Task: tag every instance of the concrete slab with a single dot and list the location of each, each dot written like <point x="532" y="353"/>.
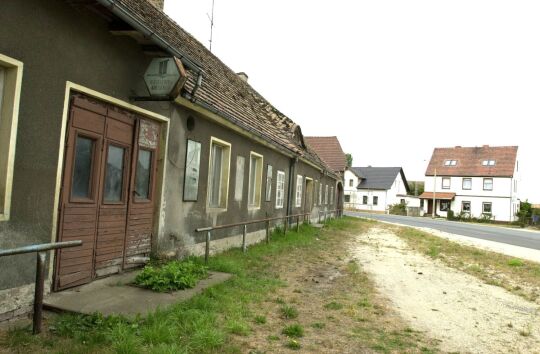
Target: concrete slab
<point x="114" y="296"/>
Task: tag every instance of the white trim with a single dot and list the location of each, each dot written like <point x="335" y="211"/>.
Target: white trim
<point x="228" y="146"/>
<point x="11" y="109"/>
<point x="70" y="86"/>
<point x="299" y="191"/>
<point x="280" y="173"/>
<point x="258" y="178"/>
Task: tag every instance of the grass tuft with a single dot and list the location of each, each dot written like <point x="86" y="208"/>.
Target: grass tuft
<point x="288" y="312"/>
<point x="333" y="306"/>
<point x="294" y="330"/>
<point x="293" y="344"/>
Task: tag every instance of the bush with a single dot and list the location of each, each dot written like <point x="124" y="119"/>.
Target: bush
<point x="450" y="214"/>
<point x="398" y="209"/>
<point x="175" y="275"/>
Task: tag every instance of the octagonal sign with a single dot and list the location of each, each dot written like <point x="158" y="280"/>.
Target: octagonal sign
<point x="164" y="77"/>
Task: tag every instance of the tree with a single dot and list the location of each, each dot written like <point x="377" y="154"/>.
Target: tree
<point x="349" y="160"/>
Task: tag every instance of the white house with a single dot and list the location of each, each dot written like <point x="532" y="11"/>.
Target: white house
<point x="376" y="188"/>
<point x="476" y="181"/>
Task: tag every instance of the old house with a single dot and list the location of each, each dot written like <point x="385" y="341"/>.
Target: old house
<point x="479" y="182"/>
<point x="119" y="129"/>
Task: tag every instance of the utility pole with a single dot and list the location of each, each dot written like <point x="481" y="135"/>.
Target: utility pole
<point x="211" y="18"/>
<point x="434" y="192"/>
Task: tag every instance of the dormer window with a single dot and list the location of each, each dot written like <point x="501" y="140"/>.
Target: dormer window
<point x="488" y="163"/>
<point x="450" y="162"/>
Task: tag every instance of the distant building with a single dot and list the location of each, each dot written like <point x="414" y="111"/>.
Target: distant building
<point x="376" y="188"/>
<point x="476" y="181"/>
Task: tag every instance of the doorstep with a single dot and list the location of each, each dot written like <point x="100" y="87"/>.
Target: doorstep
<point x="115" y="296"/>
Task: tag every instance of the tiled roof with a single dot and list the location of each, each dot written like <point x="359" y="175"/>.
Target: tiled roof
<point x="469" y="161"/>
<point x="438" y="195"/>
<point x="222" y="89"/>
<point x="380" y="178"/>
<point x="329" y="149"/>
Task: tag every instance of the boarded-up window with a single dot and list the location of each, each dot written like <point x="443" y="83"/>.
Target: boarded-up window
<point x="239" y="182"/>
<point x="191" y="178"/>
<point x="269" y="183"/>
<point x="299" y="185"/>
<point x="280" y="189"/>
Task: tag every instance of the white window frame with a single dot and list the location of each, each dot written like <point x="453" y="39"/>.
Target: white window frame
<point x="463" y="204"/>
<point x="491" y="207"/>
<point x="484" y="184"/>
<point x="450" y="162"/>
<point x="254" y="200"/>
<point x="9" y="117"/>
<point x="280" y="189"/>
<point x="225" y="174"/>
<point x="299" y="188"/>
<point x="446" y="179"/>
<point x="488" y="163"/>
<point x="269" y="177"/>
<point x="320" y="193"/>
<point x="463" y="183"/>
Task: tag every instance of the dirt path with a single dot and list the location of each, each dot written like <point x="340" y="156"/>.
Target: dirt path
<point x="458" y="309"/>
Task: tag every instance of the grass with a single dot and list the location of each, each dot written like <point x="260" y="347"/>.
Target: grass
<point x="223" y="318"/>
<point x="171" y="276"/>
<point x="516" y="275"/>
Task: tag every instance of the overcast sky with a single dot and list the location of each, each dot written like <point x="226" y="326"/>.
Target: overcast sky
<point x="391" y="79"/>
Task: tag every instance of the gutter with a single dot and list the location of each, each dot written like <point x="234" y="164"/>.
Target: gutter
<point x="128" y="17"/>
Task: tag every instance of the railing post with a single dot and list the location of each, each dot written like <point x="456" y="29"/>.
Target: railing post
<point x="207" y="247"/>
<point x="267" y="231"/>
<point x="244" y="247"/>
<point x="297" y="223"/>
<point x="38" y="294"/>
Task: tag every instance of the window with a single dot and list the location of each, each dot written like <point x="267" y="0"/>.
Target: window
<point x="488" y="163"/>
<point x="268" y="183"/>
<point x="280" y="189"/>
<point x="332" y="195"/>
<point x="143" y="175"/>
<point x="450" y="162"/>
<point x="466" y="207"/>
<point x="364" y="199"/>
<point x="375" y="200"/>
<point x="10" y="89"/>
<point x="299" y="185"/>
<point x="191" y="177"/>
<point x="326" y="195"/>
<point x="466" y="184"/>
<point x="402" y="201"/>
<point x="114" y="175"/>
<point x="488" y="184"/>
<point x="255" y="180"/>
<point x="239" y="179"/>
<point x="218" y="173"/>
<point x="445" y="205"/>
<point x="486" y="208"/>
<point x="446" y="183"/>
<point x="320" y="193"/>
<point x="351" y="182"/>
<point x="347" y="198"/>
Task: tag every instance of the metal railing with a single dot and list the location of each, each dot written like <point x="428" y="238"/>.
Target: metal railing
<point x="244" y="224"/>
<point x="41" y="251"/>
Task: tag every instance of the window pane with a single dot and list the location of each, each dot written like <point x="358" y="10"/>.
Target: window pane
<point x="142" y="175"/>
<point x="82" y="168"/>
<point x="375" y="200"/>
<point x="487" y="207"/>
<point x="269" y="183"/>
<point x="191" y="178"/>
<point x="215" y="177"/>
<point x="467" y="183"/>
<point x="114" y="174"/>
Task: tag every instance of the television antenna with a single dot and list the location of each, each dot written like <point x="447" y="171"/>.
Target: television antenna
<point x="211" y="18"/>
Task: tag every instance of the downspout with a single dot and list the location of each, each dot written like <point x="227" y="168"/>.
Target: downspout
<point x="126" y="16"/>
<point x="292" y="172"/>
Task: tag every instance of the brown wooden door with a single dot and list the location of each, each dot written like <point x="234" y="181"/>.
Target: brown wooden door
<point x="430" y="207"/>
<point x="105" y="171"/>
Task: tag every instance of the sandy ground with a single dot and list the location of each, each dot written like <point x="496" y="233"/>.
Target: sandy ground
<point x="467" y="315"/>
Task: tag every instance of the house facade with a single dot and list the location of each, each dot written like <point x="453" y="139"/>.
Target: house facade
<point x="480" y="182"/>
<point x="90" y="150"/>
<point x="376" y="188"/>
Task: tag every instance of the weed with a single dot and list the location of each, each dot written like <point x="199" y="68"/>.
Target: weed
<point x="333" y="306"/>
<point x="364" y="302"/>
<point x="294" y="330"/>
<point x="514" y="262"/>
<point x="273" y="337"/>
<point x="293" y="344"/>
<point x="238" y="327"/>
<point x="260" y="319"/>
<point x="289" y="312"/>
<point x="172" y="276"/>
<point x="318" y="325"/>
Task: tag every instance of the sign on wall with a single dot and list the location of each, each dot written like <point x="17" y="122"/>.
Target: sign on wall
<point x="164" y="77"/>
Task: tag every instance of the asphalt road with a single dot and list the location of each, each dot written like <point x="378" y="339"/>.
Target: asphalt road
<point x="515" y="237"/>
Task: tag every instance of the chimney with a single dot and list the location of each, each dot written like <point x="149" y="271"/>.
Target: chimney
<point x="243" y="76"/>
<point x="158" y="3"/>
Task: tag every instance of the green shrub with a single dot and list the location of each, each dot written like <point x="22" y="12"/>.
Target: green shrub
<point x="398" y="209"/>
<point x="175" y="275"/>
<point x="450" y="214"/>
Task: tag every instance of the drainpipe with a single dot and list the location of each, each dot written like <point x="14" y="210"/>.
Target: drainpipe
<point x="118" y="10"/>
<point x="292" y="173"/>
